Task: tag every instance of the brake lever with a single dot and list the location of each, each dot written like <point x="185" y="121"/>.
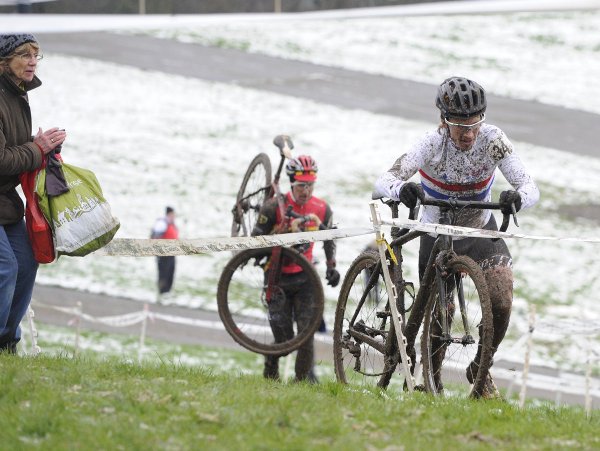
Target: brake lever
<point x="514" y="214"/>
<point x="414" y="212"/>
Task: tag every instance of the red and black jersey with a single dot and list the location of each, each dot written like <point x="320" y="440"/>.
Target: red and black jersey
<point x="270" y="219"/>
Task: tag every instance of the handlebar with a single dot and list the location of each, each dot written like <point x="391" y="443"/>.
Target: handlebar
<point x="290" y="213"/>
<point x="453" y="204"/>
<point x="457" y="204"/>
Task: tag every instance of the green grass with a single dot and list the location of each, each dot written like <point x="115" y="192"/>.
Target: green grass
<point x="90" y="403"/>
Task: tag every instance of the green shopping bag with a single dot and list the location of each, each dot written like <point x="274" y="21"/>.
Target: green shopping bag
<point x="80" y="218"/>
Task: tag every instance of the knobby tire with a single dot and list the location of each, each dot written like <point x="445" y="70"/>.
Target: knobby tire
<point x="257" y="179"/>
<point x="241" y="304"/>
<point x="375" y="366"/>
<point x="479" y="313"/>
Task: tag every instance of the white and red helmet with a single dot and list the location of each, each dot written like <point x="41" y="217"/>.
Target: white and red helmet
<point x="303" y="168"/>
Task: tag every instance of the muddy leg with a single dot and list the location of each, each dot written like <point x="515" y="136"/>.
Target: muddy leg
<point x="500" y="286"/>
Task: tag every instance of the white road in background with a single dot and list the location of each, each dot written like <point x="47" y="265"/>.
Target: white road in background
<point x="37" y="23"/>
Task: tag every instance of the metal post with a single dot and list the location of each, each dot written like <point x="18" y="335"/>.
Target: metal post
<point x="392" y="296"/>
<point x="527" y="354"/>
<point x="588" y="380"/>
<point x="79" y="309"/>
<point x="287" y="368"/>
<point x="142" y="6"/>
<point x="35" y="349"/>
<point x="143" y="333"/>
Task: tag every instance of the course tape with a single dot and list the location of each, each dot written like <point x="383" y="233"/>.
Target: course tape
<point x="163" y="248"/>
<point x="465" y="232"/>
<point x="130" y="319"/>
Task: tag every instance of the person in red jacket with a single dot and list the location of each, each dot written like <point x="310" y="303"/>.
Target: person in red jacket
<point x="302" y="172"/>
<point x="165" y="228"/>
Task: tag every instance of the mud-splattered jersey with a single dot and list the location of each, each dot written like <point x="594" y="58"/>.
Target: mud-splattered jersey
<point x="447" y="171"/>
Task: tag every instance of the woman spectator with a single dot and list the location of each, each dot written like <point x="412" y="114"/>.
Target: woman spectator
<point x="19" y="152"/>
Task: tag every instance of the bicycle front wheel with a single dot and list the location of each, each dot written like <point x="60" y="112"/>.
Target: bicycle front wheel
<point x="251" y="301"/>
<point x="362" y="325"/>
<point x="458" y="362"/>
<point x="252" y="194"/>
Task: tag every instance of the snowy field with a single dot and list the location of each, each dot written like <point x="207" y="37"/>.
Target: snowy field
<point x="547" y="56"/>
<point x="154" y="140"/>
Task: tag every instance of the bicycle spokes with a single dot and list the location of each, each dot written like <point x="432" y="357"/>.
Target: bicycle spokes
<point x="457" y="329"/>
<point x="362" y="326"/>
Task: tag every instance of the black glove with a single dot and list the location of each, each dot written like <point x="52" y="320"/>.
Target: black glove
<point x="333" y="277"/>
<point x="409" y="194"/>
<point x="507" y="198"/>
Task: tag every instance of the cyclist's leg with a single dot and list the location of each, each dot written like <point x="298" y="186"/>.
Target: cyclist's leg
<point x="413" y="322"/>
<point x="281" y="322"/>
<point x="425" y="247"/>
<point x="500" y="283"/>
<point x="496" y="262"/>
<point x="302" y="298"/>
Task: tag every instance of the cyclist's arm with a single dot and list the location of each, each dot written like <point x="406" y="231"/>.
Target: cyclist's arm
<point x="391" y="182"/>
<point x="329" y="246"/>
<point x="516" y="173"/>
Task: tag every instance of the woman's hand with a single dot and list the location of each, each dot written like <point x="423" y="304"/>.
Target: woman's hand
<point x="50" y="139"/>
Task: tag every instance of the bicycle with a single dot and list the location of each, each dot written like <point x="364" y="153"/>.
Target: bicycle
<point x="255" y="278"/>
<point x="253" y="192"/>
<point x="364" y="338"/>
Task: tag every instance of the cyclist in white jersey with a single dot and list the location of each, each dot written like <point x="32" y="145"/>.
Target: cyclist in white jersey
<point x="459" y="160"/>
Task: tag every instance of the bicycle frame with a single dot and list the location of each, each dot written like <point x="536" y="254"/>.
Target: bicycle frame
<point x="285" y="146"/>
<point x="405" y="333"/>
<point x="445" y="248"/>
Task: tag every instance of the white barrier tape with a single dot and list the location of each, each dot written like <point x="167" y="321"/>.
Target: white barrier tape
<point x="128" y="319"/>
<point x="249" y="328"/>
<point x="149" y="247"/>
<point x="469" y="232"/>
<point x="67" y="310"/>
<point x="187" y="321"/>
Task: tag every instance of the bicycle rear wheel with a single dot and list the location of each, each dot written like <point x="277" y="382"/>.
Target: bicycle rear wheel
<point x="242" y="300"/>
<point x="361" y="351"/>
<point x="446" y="359"/>
<point x="253" y="192"/>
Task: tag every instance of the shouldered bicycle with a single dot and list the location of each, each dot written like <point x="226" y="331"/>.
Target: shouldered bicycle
<point x="452" y="303"/>
<point x="255" y="279"/>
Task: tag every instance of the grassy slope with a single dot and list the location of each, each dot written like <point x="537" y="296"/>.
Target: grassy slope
<point x="86" y="403"/>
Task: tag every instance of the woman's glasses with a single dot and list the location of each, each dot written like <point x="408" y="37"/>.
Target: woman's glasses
<point x="29" y="56"/>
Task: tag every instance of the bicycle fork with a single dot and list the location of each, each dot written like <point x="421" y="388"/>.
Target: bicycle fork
<point x="441" y="275"/>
